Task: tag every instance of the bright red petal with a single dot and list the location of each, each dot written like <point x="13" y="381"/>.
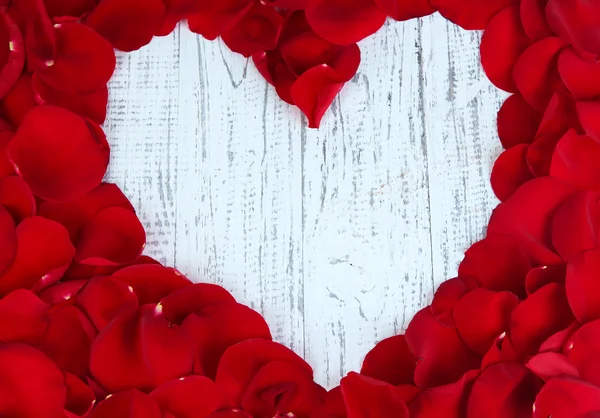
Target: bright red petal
<point x="390" y="361"/>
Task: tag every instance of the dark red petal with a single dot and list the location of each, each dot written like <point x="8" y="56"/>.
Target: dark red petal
<point x="18" y="101"/>
<point x="403" y="10"/>
<point x="444" y="358"/>
<point x="549" y="365"/>
<point x="80" y="397"/>
<point x="503" y="390"/>
<point x="241" y="362"/>
<point x="258" y="30"/>
<point x="576" y="161"/>
<point x="30" y="384"/>
<point x="528" y="214"/>
<point x="448" y="401"/>
<point x="130" y="404"/>
<point x="114" y="236"/>
<point x="481" y="316"/>
<point x="8" y="240"/>
<point x="510" y="171"/>
<point x="104" y="298"/>
<point x="289" y="4"/>
<point x="140" y="350"/>
<point x="22" y="317"/>
<point x="271" y="66"/>
<point x="219" y="326"/>
<point x="470" y="14"/>
<point x="582" y="350"/>
<point x="589" y="115"/>
<point x="583" y="285"/>
<point x="189" y="397"/>
<point x="180" y="303"/>
<point x="44" y="252"/>
<point x="210" y="19"/>
<point x="503" y="42"/>
<point x="282" y="388"/>
<point x="541" y="276"/>
<point x="89" y="105"/>
<point x="366" y="397"/>
<point x="127" y="24"/>
<point x="345" y="22"/>
<point x="17" y="198"/>
<point x="71" y="154"/>
<point x="538" y="317"/>
<point x="533" y="16"/>
<point x="446" y="297"/>
<point x="333" y="405"/>
<point x="567" y="397"/>
<point x="75" y="8"/>
<point x="79" y="50"/>
<point x="390" y="361"/>
<point x="151" y="283"/>
<point x="12" y="53"/>
<point x="582" y="77"/>
<point x="314" y="91"/>
<point x="577" y="22"/>
<point x="536" y="72"/>
<point x="498" y="263"/>
<point x="518" y="122"/>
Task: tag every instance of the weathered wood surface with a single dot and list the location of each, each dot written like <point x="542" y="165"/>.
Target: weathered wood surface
<point x="337" y="236"/>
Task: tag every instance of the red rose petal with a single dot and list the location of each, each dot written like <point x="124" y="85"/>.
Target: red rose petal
<point x="446" y="297"/>
<point x="582" y="77"/>
<point x="12" y="53"/>
<point x="192" y="299"/>
<point x="189" y="397"/>
<point x="333" y="405"/>
<point x="536" y="72"/>
<point x="140" y="350"/>
<point x="470" y="14"/>
<point x="271" y="66"/>
<point x="541" y="315"/>
<point x="114" y="236"/>
<point x="366" y="397"/>
<point x="503" y="390"/>
<point x="258" y="30"/>
<point x="8" y="240"/>
<point x="503" y="42"/>
<point x="481" y="316"/>
<point x="80" y="397"/>
<point x="567" y="397"/>
<point x="71" y="157"/>
<point x="30" y="384"/>
<point x="444" y="358"/>
<point x="18" y="101"/>
<point x="79" y="50"/>
<point x="403" y="10"/>
<point x="583" y="285"/>
<point x="127" y="24"/>
<point x="289" y="4"/>
<point x="17" y="198"/>
<point x="44" y="252"/>
<point x="557" y="341"/>
<point x="210" y="19"/>
<point x="390" y="361"/>
<point x="151" y="283"/>
<point x="83" y="271"/>
<point x="533" y="16"/>
<point x="589" y="114"/>
<point x="130" y="404"/>
<point x="577" y="22"/>
<point x="527" y="216"/>
<point x="60" y="292"/>
<point x="549" y="365"/>
<point x="510" y="171"/>
<point x="498" y="263"/>
<point x="576" y="161"/>
<point x="541" y="276"/>
<point x="314" y="91"/>
<point x="582" y="349"/>
<point x="576" y="224"/>
<point x="218" y="326"/>
<point x="518" y="122"/>
<point x="345" y="22"/>
<point x="23" y="317"/>
<point x="75" y="8"/>
<point x="241" y="362"/>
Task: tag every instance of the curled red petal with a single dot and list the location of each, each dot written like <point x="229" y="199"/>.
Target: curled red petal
<point x="17" y="198"/>
<point x="533" y="17"/>
<point x="390" y="361"/>
<point x="140" y="350"/>
<point x="181" y="397"/>
<point x="367" y="397"/>
<point x="18" y="101"/>
<point x="211" y="19"/>
<point x="191" y="299"/>
<point x="518" y="122"/>
<point x="272" y="67"/>
<point x="80" y="397"/>
<point x="71" y="158"/>
<point x="567" y="397"/>
<point x="577" y="22"/>
<point x="536" y="72"/>
<point x="447" y="295"/>
<point x="12" y="53"/>
<point x="443" y="357"/>
<point x="470" y="14"/>
<point x="539" y="277"/>
<point x="581" y="351"/>
<point x="589" y="115"/>
<point x="22" y="317"/>
<point x="549" y="365"/>
<point x="510" y="171"/>
<point x="127" y="24"/>
<point x="114" y="236"/>
<point x="44" y="251"/>
<point x="345" y="22"/>
<point x="581" y="76"/>
<point x="503" y="41"/>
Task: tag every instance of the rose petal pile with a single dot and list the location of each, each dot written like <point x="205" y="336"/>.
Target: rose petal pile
<point x="91" y="328"/>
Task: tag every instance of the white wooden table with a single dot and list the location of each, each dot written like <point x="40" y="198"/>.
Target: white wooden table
<point x="337" y="236"/>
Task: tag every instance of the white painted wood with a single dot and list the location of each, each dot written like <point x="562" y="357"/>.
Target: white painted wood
<point x="336" y="236"/>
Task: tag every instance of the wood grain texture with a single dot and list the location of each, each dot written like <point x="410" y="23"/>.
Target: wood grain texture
<point x="337" y="236"/>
